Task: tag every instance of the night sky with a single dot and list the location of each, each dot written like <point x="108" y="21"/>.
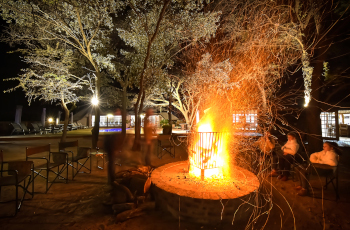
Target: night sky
<point x="338" y="55"/>
<point x="10" y="66"/>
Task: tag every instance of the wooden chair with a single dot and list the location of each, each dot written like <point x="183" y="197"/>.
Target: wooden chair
<point x="344" y="130"/>
<point x="54" y="162"/>
<point x="81" y="157"/>
<point x="16" y="174"/>
<point x="165" y="145"/>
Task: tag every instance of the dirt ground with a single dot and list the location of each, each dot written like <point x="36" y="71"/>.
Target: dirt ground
<point x="80" y="203"/>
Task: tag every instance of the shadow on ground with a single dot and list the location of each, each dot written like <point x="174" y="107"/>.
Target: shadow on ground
<point x="80" y="203"/>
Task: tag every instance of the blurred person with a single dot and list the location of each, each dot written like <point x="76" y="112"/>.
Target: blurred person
<point x="113" y="145"/>
<point x="266" y="144"/>
<point x="290" y="149"/>
<point x="148" y="131"/>
<point x="328" y="156"/>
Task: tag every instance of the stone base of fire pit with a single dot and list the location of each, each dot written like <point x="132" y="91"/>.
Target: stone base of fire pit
<point x="206" y="202"/>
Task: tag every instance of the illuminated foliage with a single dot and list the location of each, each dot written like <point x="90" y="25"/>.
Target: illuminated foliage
<point x="49" y="78"/>
<point x="82" y="25"/>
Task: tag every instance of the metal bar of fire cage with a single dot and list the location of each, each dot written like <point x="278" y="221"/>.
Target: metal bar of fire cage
<point x="202" y="153"/>
<point x="214" y="153"/>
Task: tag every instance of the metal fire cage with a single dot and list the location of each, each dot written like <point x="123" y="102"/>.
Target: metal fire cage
<point x="204" y="149"/>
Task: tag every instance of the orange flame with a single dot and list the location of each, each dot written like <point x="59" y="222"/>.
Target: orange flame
<point x="207" y="158"/>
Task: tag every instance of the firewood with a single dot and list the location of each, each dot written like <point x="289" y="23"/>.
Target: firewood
<point x="147" y="185"/>
<point x="141" y="210"/>
<point x="119" y="188"/>
<point x="118" y="208"/>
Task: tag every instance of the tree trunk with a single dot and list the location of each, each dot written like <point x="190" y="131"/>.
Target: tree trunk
<point x="313" y="111"/>
<point x="66" y="119"/>
<point x="95" y="131"/>
<point x="124" y="112"/>
<point x="139" y="102"/>
<point x="138" y="111"/>
<point x="169" y="112"/>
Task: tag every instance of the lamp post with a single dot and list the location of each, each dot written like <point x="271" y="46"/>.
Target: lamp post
<point x="50" y="120"/>
<point x="94" y="102"/>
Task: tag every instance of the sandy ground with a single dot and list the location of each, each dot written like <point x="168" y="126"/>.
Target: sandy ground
<point x="79" y="204"/>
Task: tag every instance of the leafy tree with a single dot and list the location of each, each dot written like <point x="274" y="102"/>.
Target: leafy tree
<point x="83" y="25"/>
<point x="190" y="92"/>
<point x="259" y="41"/>
<point x="159" y="30"/>
<point x="48" y="78"/>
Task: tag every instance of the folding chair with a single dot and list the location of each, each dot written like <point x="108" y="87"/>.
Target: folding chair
<point x="331" y="175"/>
<point x="100" y="153"/>
<point x="82" y="156"/>
<point x="49" y="163"/>
<point x="17" y="172"/>
<point x="165" y="145"/>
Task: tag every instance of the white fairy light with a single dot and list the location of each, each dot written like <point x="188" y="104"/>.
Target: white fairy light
<point x="307" y="75"/>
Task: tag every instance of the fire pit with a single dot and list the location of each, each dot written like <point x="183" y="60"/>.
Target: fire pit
<point x="205" y="202"/>
<point x="198" y="190"/>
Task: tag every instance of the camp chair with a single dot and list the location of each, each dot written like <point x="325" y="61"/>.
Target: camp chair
<point x="81" y="157"/>
<point x="16" y="174"/>
<point x="100" y="153"/>
<point x="331" y="175"/>
<point x="54" y="162"/>
<point x="17" y="129"/>
<point x="165" y="145"/>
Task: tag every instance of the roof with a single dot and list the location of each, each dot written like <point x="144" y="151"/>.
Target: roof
<point x="86" y="110"/>
<point x="165" y="116"/>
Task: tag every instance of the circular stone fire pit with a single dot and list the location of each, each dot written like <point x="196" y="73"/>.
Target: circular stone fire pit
<point x="207" y="201"/>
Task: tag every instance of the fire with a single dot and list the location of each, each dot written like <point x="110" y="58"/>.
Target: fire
<point x="207" y="158"/>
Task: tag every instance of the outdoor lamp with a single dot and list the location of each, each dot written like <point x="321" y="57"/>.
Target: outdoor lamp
<point x="94" y="101"/>
<point x="50" y="120"/>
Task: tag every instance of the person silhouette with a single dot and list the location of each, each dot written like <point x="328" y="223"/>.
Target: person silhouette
<point x="148" y="135"/>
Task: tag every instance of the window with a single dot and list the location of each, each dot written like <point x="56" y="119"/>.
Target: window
<point x="328" y="124"/>
<point x="110" y="120"/>
<point x="248" y="119"/>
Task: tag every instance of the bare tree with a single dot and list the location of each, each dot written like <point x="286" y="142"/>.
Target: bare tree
<point x="191" y="91"/>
